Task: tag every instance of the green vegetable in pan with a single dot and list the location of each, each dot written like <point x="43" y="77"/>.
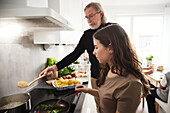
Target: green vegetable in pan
<point x="57" y="109"/>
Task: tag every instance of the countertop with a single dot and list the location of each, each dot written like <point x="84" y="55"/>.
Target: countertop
<point x="89" y="105"/>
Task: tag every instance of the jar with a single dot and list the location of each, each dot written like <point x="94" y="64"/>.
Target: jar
<point x="149" y="63"/>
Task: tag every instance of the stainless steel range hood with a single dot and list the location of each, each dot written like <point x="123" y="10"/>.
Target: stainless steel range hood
<point x="37" y="17"/>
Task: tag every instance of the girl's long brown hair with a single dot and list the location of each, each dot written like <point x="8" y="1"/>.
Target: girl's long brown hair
<point x="124" y="59"/>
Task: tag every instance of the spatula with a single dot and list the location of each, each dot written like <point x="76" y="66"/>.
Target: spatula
<point x="23" y="84"/>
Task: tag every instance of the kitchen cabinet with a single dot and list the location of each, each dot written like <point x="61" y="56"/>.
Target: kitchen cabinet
<point x="46" y="37"/>
<point x="72" y="10"/>
<point x="36" y="16"/>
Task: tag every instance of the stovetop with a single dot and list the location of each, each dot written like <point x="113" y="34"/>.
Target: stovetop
<point x="44" y="92"/>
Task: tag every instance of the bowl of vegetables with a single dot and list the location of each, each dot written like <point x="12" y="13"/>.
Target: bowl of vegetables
<point x="64" y="84"/>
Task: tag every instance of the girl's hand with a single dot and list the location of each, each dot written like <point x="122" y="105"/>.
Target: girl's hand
<point x="83" y="89"/>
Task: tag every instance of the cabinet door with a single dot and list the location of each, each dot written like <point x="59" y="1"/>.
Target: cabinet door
<point x="73" y="11"/>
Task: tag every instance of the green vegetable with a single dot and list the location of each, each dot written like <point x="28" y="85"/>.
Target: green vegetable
<point x="149" y="58"/>
<point x="70" y="68"/>
<point x="62" y="72"/>
<point x="44" y="107"/>
<point x="51" y="61"/>
<point x="65" y="71"/>
<point x="76" y="62"/>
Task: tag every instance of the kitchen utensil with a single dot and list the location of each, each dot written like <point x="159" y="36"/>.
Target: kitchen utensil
<point x="50" y="82"/>
<point x="16" y="103"/>
<point x="63" y="103"/>
<point x="23" y="84"/>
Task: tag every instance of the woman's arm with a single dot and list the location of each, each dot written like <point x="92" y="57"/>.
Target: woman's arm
<point x="91" y="91"/>
<point x="117" y="111"/>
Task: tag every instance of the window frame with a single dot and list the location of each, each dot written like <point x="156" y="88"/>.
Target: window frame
<point x="132" y="35"/>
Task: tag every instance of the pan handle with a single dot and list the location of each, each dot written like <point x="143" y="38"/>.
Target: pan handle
<point x="72" y="92"/>
<point x="28" y="104"/>
<point x="60" y="98"/>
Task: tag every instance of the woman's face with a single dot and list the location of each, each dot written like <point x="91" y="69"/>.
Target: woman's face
<point x="103" y="54"/>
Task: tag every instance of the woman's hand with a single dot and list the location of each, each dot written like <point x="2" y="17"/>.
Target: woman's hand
<point x="83" y="89"/>
<point x="49" y="71"/>
<point x="91" y="91"/>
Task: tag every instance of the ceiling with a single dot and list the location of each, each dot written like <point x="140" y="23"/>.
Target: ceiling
<point x="133" y="2"/>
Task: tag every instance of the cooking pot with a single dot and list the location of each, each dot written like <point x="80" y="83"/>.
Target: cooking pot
<point x="16" y="103"/>
<point x="63" y="103"/>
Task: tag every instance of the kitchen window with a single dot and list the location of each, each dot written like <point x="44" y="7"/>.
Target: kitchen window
<point x="145" y="33"/>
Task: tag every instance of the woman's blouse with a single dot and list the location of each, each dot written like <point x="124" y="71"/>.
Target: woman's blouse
<point x="120" y="93"/>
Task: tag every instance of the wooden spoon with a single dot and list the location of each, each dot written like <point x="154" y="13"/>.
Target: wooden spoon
<point x="23" y="84"/>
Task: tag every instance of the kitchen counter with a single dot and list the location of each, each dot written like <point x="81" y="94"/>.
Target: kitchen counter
<point x="89" y="105"/>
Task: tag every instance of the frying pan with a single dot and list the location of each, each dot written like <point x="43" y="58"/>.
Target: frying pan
<point x="63" y="103"/>
<point x="54" y="102"/>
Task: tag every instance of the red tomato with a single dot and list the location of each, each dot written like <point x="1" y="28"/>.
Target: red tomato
<point x="69" y="77"/>
<point x="64" y="77"/>
<point x="58" y="104"/>
<point x="73" y="74"/>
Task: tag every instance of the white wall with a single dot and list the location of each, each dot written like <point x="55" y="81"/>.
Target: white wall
<point x="20" y="59"/>
<point x="113" y="11"/>
<point x="72" y="10"/>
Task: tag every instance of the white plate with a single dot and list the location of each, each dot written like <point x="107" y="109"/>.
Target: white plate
<point x="82" y="79"/>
